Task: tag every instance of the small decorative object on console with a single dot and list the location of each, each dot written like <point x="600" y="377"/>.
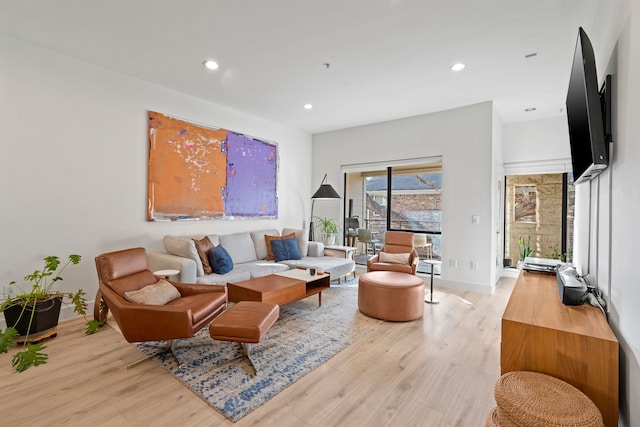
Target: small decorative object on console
<point x="573" y="291"/>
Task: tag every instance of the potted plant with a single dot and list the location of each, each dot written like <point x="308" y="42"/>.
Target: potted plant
<point x="328" y="230"/>
<point x="525" y="250"/>
<point x="32" y="314"/>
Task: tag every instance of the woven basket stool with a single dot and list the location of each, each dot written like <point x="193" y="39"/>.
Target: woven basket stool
<point x="492" y="418"/>
<point x="495" y="417"/>
<point x="532" y="399"/>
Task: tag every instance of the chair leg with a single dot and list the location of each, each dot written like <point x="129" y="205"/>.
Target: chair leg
<point x="172" y="346"/>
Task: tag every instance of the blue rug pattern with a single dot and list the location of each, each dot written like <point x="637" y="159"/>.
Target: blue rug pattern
<point x="304" y="337"/>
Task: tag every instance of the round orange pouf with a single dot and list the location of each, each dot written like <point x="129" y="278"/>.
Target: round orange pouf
<point x="390" y="295"/>
<point x="527" y="398"/>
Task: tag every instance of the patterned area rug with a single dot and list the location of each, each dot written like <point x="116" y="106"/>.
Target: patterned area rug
<point x="304" y="337"/>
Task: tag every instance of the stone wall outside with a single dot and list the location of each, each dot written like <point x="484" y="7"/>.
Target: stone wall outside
<point x="546" y="232"/>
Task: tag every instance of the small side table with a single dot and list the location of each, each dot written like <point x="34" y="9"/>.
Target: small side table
<point x="340" y="251"/>
<point x="167" y="273"/>
<point x="429" y="298"/>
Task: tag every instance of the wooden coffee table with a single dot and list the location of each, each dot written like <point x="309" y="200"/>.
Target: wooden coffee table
<point x="280" y="288"/>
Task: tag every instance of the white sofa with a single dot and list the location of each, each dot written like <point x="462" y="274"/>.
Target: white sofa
<point x="248" y="250"/>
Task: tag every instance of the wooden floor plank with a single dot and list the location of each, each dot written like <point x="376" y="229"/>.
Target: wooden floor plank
<point x="436" y="371"/>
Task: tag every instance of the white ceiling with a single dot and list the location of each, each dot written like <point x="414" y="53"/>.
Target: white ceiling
<point x="389" y="58"/>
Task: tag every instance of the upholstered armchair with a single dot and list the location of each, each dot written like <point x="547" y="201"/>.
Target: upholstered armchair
<point x="192" y="307"/>
<point x="398" y="254"/>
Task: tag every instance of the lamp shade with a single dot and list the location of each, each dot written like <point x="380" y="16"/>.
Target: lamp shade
<point x="325" y="191"/>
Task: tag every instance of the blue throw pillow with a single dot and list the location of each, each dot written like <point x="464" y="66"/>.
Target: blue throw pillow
<point x="220" y="260"/>
<point x="284" y="249"/>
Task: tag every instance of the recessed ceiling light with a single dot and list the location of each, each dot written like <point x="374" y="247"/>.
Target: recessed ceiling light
<point x="307" y="106"/>
<point x="210" y="64"/>
<point x="457" y="67"/>
<point x="530" y="109"/>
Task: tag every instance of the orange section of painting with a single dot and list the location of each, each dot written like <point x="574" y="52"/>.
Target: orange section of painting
<point x="187" y="170"/>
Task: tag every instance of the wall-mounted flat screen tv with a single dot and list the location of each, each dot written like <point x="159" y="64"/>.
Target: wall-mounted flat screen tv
<point x="589" y="150"/>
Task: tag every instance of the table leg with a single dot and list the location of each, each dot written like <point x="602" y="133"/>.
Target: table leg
<point x="430" y="300"/>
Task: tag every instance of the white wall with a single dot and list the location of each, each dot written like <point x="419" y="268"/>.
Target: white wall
<point x="463" y="137"/>
<point x="73" y="167"/>
<point x="618" y="203"/>
<point x="537" y="140"/>
<point x="497" y="197"/>
<point x="606" y="208"/>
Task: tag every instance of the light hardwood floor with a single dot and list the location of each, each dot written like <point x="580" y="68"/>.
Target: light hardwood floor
<point x="438" y="371"/>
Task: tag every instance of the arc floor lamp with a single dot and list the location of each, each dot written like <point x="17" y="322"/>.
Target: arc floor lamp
<point x="325" y="192"/>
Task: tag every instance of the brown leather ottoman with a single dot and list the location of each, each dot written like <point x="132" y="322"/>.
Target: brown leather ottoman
<point x="246" y="323"/>
<point x="390" y="295"/>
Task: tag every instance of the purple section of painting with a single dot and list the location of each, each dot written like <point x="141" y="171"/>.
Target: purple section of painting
<point x="251" y="177"/>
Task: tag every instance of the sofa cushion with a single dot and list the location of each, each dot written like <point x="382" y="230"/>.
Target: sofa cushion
<point x="214" y="239"/>
<point x="284" y="249"/>
<point x="240" y="247"/>
<point x="220" y="260"/>
<point x="184" y="247"/>
<point x="235" y="275"/>
<point x="336" y="267"/>
<point x="158" y="293"/>
<point x="268" y="239"/>
<point x="301" y="238"/>
<point x="260" y="243"/>
<point x="203" y="246"/>
<point x="260" y="268"/>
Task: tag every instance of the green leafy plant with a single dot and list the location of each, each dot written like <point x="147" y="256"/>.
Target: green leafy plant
<point x="42" y="283"/>
<point x="556" y="254"/>
<point x="327" y="229"/>
<point x="327" y="225"/>
<point x="525" y="249"/>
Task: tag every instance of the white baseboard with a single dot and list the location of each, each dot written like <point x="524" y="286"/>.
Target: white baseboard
<point x="512" y="273"/>
<point x="460" y="286"/>
<point x="450" y="284"/>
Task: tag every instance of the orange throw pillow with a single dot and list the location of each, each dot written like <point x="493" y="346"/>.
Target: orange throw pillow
<point x="203" y="247"/>
<point x="268" y="239"/>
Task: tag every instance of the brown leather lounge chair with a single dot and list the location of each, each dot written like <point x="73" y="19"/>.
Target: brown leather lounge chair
<point x="127" y="270"/>
<point x="395" y="242"/>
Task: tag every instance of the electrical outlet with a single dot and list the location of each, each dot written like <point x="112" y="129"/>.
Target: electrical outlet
<point x="474" y="265"/>
<point x="453" y="263"/>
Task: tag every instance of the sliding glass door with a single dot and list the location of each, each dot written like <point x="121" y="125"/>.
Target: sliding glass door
<point x="401" y="198"/>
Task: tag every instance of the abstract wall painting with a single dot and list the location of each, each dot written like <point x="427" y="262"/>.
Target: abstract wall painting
<point x="251" y="177"/>
<point x="200" y="173"/>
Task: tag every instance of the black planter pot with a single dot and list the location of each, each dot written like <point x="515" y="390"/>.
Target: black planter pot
<point x="45" y="319"/>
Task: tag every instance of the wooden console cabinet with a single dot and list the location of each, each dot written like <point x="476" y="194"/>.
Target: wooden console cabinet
<point x="572" y="343"/>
